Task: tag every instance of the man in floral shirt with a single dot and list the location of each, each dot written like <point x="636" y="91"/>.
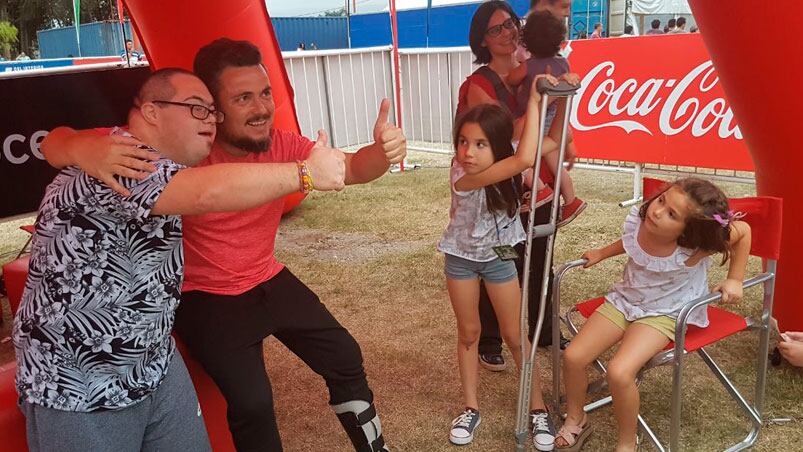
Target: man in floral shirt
<point x="96" y="365"/>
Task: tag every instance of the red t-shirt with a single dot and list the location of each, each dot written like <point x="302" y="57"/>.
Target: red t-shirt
<point x="229" y="253"/>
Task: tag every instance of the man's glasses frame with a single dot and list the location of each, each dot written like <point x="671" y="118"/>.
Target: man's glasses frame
<point x="197" y="111"/>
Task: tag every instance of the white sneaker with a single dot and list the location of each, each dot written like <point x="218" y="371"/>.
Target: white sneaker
<point x="463" y="426"/>
<point x="543" y="430"/>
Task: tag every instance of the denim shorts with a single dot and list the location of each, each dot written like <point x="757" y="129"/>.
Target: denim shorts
<point x="495" y="271"/>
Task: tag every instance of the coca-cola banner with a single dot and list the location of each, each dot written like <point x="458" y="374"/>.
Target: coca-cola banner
<point x="654" y="99"/>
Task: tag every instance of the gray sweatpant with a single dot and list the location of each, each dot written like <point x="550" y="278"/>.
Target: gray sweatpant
<point x="167" y="420"/>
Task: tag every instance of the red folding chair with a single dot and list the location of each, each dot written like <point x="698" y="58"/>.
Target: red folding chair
<point x="764" y="216"/>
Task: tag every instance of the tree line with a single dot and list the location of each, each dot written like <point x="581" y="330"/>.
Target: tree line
<point x="30" y="16"/>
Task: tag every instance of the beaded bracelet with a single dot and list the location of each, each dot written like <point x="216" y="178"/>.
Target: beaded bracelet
<point x="304" y="177"/>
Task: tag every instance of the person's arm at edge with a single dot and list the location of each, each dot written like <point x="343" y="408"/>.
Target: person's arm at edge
<point x="102" y="156"/>
<point x="597" y="255"/>
<point x="740" y="241"/>
<point x="226" y="187"/>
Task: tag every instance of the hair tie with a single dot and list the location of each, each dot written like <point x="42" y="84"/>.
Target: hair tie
<point x="727" y="219"/>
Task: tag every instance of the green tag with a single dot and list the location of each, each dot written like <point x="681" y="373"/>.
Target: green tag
<point x="506" y="252"/>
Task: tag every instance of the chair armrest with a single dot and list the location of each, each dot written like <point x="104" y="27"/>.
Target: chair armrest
<point x="560" y="272"/>
<point x="683" y="317"/>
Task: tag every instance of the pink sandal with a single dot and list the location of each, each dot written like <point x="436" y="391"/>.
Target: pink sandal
<point x="574" y="436"/>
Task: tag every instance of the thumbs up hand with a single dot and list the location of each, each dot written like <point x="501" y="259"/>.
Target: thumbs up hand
<point x="322" y="140"/>
<point x="327" y="166"/>
<point x="388" y="136"/>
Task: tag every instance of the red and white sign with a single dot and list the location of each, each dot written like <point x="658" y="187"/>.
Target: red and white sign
<point x="653" y="99"/>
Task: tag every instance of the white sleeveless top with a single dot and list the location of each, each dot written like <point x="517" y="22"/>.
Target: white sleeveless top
<point x="474" y="230"/>
<point x="658" y="285"/>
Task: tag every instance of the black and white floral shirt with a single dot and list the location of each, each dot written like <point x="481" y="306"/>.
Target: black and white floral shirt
<point x="93" y="329"/>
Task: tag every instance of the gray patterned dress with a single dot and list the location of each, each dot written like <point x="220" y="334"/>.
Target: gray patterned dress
<point x="474" y="230"/>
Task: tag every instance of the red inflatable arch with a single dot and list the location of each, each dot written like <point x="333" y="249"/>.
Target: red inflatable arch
<point x="173" y="31"/>
<point x="765" y="98"/>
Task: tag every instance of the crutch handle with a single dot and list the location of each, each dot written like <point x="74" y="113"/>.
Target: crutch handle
<point x="562" y="89"/>
<point x="543" y="230"/>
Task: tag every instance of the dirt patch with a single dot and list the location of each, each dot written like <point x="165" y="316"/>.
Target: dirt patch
<point x="328" y="246"/>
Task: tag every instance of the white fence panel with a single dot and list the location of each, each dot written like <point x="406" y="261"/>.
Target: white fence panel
<point x="340" y="92"/>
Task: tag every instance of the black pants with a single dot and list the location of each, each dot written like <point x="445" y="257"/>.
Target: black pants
<point x="225" y="334"/>
<point x="490" y="339"/>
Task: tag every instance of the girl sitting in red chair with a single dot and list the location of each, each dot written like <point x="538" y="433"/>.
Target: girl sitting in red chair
<point x="669" y="241"/>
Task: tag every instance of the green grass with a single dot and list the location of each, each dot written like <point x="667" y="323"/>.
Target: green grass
<point x="369" y="252"/>
<point x="397" y="307"/>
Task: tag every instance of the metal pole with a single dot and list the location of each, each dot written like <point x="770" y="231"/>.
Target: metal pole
<point x="76" y="11"/>
<point x="348" y="24"/>
<point x="395" y="38"/>
<point x="429" y="8"/>
<point x="125" y="49"/>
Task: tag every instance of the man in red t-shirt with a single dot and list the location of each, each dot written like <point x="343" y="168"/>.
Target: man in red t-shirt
<point x="235" y="292"/>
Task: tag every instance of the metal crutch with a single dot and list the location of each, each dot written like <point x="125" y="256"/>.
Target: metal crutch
<point x="565" y="90"/>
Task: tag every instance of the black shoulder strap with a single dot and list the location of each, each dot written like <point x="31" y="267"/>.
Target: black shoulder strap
<point x="502" y="93"/>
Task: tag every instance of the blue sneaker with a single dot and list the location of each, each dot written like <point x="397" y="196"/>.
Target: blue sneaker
<point x="463" y="426"/>
<point x="543" y="430"/>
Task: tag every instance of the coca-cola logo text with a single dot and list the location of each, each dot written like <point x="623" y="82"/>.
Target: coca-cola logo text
<point x="15" y="150"/>
<point x="678" y="103"/>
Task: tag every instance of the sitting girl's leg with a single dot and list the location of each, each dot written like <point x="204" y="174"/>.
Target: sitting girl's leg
<point x="640" y="343"/>
<point x="464" y="295"/>
<point x="597" y="335"/>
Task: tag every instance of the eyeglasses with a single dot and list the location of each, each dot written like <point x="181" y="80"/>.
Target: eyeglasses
<point x="197" y="111"/>
<point x="496" y="30"/>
